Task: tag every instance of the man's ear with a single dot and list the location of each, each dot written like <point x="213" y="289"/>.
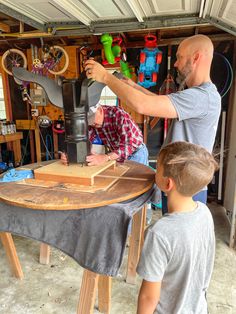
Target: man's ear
<point x="196" y="57"/>
<point x="100" y="109"/>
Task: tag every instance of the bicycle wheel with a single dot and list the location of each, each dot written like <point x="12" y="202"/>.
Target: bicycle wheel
<point x="13" y="58"/>
<point x="60" y="60"/>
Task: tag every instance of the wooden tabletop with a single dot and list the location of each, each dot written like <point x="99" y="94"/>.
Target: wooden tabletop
<point x="62" y="197"/>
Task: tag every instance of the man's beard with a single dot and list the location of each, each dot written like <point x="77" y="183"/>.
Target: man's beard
<point x="183" y="75"/>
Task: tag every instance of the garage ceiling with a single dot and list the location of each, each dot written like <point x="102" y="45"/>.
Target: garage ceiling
<point x="99" y="16"/>
<point x="79" y="22"/>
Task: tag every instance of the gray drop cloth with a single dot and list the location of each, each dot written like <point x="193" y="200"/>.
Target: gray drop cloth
<point x="94" y="237"/>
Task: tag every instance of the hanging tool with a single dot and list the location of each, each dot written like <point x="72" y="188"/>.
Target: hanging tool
<point x="167" y="87"/>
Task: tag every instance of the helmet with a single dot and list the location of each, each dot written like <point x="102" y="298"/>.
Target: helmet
<point x="44" y="121"/>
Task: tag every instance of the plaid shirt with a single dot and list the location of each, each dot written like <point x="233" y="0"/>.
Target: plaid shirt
<point x="119" y="133"/>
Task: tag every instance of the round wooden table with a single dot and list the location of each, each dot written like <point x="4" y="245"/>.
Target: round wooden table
<point x="39" y="196"/>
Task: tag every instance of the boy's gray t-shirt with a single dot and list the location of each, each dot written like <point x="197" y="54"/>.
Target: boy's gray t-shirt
<point x="198" y="109"/>
<point x="179" y="251"/>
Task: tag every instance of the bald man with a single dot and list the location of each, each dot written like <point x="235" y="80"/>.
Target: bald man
<point x="195" y="111"/>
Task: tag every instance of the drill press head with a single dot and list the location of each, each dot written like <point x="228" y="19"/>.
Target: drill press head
<point x="80" y="99"/>
<point x="77" y="97"/>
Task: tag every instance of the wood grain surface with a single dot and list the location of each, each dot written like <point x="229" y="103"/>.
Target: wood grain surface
<point x="66" y="197"/>
<point x="74" y="173"/>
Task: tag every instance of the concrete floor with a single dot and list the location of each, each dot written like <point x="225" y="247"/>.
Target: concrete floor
<point x="54" y="288"/>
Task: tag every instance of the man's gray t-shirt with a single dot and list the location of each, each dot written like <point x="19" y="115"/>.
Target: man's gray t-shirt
<point x="179" y="251"/>
<point x="198" y="109"/>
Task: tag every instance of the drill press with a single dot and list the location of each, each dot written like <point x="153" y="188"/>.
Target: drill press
<point x="75" y="96"/>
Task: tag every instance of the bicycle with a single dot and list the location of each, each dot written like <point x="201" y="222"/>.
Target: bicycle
<point x="55" y="60"/>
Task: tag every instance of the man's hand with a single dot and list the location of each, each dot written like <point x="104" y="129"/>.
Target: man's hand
<point x="95" y="160"/>
<point x="64" y="159"/>
<point x="96" y="71"/>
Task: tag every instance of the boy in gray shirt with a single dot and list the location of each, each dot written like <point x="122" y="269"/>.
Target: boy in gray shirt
<point x="178" y="254"/>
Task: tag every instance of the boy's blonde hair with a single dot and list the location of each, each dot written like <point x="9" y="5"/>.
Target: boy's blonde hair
<point x="190" y="166"/>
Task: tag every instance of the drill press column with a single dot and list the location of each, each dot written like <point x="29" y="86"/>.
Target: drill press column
<point x="75" y="102"/>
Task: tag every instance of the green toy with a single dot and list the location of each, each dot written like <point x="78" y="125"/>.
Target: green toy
<point x="114" y="53"/>
<point x="125" y="69"/>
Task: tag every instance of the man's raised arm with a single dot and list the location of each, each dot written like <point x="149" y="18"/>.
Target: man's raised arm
<point x="145" y="103"/>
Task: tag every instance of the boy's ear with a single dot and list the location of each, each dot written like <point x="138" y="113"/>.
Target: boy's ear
<point x="169" y="184"/>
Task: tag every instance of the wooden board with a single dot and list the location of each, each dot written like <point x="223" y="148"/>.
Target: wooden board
<point x="100" y="183"/>
<point x="44" y="198"/>
<point x="74" y="173"/>
<point x="11" y="137"/>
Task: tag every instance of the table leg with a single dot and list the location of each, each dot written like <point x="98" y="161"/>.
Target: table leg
<point x="10" y="249"/>
<point x="17" y="151"/>
<point x="37" y="144"/>
<point x="44" y="255"/>
<point x="88" y="292"/>
<point x="104" y="294"/>
<point x="136" y="241"/>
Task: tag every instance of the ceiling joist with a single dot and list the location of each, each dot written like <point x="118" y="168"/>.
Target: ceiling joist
<point x="81" y="21"/>
<point x="21" y="17"/>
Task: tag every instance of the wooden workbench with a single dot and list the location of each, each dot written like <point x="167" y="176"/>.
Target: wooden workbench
<point x="14" y="140"/>
<point x="61" y="198"/>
